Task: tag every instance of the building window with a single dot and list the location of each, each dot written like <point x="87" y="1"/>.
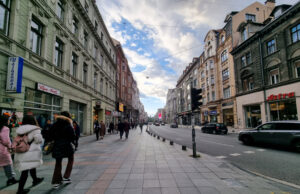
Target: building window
<point x="75" y="25"/>
<point x="297" y="65"/>
<point x="208" y="97"/>
<point x="101" y="86"/>
<point x="212" y="65"/>
<point x="244" y="34"/>
<point x="195" y="83"/>
<point x="212" y="80"/>
<point x="224" y="56"/>
<point x="96" y="26"/>
<point x="95" y="81"/>
<point x="248" y="58"/>
<point x="225" y="74"/>
<point x="101" y="36"/>
<point x="85" y="39"/>
<point x="74" y="63"/>
<point x="296" y="33"/>
<point x="283" y="110"/>
<point x="271" y="47"/>
<point x="250" y="17"/>
<point x="209" y="52"/>
<point x="274" y="76"/>
<point x="243" y="61"/>
<point x="58" y="53"/>
<point x="203" y="87"/>
<point x="36" y="36"/>
<point x="226" y="92"/>
<point x="86" y="7"/>
<point x="95" y="52"/>
<point x="248" y="84"/>
<point x="85" y="73"/>
<point x="106" y="89"/>
<point x="222" y="39"/>
<point x="60" y="10"/>
<point x="213" y="96"/>
<point x="4" y="16"/>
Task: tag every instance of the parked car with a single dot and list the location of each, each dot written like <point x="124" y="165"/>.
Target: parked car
<point x="174" y="125"/>
<point x="286" y="133"/>
<point x="156" y="124"/>
<point x="215" y="128"/>
<point x="162" y="123"/>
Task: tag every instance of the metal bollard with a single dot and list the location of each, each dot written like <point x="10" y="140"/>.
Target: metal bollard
<point x="164" y="139"/>
<point x="184" y="148"/>
<point x="158" y="137"/>
<point x="171" y="142"/>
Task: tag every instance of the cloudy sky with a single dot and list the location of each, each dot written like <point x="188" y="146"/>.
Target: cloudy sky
<point x="161" y="37"/>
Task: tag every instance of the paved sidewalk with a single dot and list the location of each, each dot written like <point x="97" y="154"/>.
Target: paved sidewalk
<point x="144" y="164"/>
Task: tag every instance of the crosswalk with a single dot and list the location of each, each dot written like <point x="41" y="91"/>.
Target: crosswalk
<point x="238" y="154"/>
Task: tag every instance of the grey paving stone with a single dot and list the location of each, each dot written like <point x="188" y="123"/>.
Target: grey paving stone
<point x="195" y="175"/>
<point x="170" y="191"/>
<point x="121" y="176"/>
<point x="137" y="170"/>
<point x="180" y="175"/>
<point x="165" y="176"/>
<point x="151" y="183"/>
<point x="189" y="190"/>
<point x="84" y="185"/>
<point x="151" y="191"/>
<point x="133" y="191"/>
<point x="168" y="183"/>
<point x="135" y="176"/>
<point x="150" y="176"/>
<point x="201" y="182"/>
<point x="117" y="184"/>
<point x="209" y="175"/>
<point x="184" y="182"/>
<point x="135" y="183"/>
<point x="113" y="191"/>
<point x="208" y="190"/>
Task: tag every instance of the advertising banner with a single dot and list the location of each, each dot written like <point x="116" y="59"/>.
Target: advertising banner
<point x="14" y="74"/>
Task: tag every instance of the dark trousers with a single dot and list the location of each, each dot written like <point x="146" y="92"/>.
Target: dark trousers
<point x="76" y="142"/>
<point x="126" y="134"/>
<point x="24" y="176"/>
<point x="121" y="133"/>
<point x="97" y="134"/>
<point x="57" y="177"/>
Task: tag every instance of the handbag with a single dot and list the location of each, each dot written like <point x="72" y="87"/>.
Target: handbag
<point x="48" y="147"/>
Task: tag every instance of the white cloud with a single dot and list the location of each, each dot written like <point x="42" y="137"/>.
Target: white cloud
<point x="133" y="44"/>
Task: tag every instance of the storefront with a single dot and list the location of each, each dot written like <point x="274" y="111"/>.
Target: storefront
<point x="252" y="115"/>
<point x="228" y="117"/>
<point x="43" y="102"/>
<point x="77" y="113"/>
<point x="213" y="116"/>
<point x="108" y="117"/>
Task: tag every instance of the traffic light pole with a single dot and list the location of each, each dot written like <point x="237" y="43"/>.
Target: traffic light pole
<point x="193" y="138"/>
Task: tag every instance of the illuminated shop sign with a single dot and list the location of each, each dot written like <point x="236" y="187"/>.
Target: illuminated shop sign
<point x="281" y="96"/>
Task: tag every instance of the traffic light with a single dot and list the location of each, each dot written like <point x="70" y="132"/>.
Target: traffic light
<point x="195" y="97"/>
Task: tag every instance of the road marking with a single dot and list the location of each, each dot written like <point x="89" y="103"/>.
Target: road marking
<point x="261" y="150"/>
<point x="221" y="157"/>
<point x="276" y="180"/>
<point x="249" y="152"/>
<point x="216" y="143"/>
<point x="235" y="154"/>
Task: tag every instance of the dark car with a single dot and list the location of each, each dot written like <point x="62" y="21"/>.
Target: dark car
<point x="285" y="133"/>
<point x="215" y="128"/>
<point x="156" y="124"/>
<point x="162" y="123"/>
<point x="174" y="125"/>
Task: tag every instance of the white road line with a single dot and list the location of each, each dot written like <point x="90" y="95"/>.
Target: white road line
<point x="261" y="150"/>
<point x="235" y="154"/>
<point x="221" y="157"/>
<point x="249" y="152"/>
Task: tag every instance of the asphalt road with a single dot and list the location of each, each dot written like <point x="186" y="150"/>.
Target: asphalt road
<point x="278" y="163"/>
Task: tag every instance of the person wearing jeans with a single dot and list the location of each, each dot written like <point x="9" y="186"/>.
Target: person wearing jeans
<point x="63" y="135"/>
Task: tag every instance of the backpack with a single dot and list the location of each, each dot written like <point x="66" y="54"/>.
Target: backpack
<point x="21" y="144"/>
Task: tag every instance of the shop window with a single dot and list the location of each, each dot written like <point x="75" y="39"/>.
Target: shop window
<point x="77" y="112"/>
<point x="297" y="65"/>
<point x="224" y="56"/>
<point x="225" y="74"/>
<point x="274" y="76"/>
<point x="74" y="65"/>
<point x="252" y="116"/>
<point x="283" y="110"/>
<point x="75" y="25"/>
<point x="58" y="53"/>
<point x="60" y="10"/>
<point x="250" y="17"/>
<point x="295" y="33"/>
<point x="226" y="93"/>
<point x="4" y="16"/>
<point x="271" y="46"/>
<point x="36" y="36"/>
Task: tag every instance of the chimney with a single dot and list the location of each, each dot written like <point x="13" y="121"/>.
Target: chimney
<point x="270" y="3"/>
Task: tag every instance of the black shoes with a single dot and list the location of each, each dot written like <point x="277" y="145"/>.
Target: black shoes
<point x="24" y="191"/>
<point x="11" y="181"/>
<point x="37" y="181"/>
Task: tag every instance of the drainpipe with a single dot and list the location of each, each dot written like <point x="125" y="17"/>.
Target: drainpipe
<point x="263" y="78"/>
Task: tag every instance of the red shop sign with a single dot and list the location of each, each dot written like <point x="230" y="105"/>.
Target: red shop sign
<point x="281" y="96"/>
<point x="107" y="112"/>
<point x="47" y="89"/>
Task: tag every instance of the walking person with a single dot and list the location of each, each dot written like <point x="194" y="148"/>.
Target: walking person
<point x="121" y="129"/>
<point x="141" y="126"/>
<point x="5" y="146"/>
<point x="102" y="129"/>
<point x="77" y="133"/>
<point x="111" y="127"/>
<point x="31" y="159"/>
<point x="46" y="132"/>
<point x="126" y="128"/>
<point x="63" y="134"/>
<point x="97" y="128"/>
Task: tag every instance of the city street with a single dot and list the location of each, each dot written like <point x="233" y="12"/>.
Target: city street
<point x="281" y="164"/>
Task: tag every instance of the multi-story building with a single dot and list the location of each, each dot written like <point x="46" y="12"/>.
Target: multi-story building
<point x="268" y="86"/>
<point x="171" y="106"/>
<point x="67" y="56"/>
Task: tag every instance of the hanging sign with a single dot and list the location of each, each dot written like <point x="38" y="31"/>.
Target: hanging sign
<point x="14" y="74"/>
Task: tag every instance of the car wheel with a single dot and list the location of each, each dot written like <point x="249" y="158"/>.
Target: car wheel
<point x="225" y="132"/>
<point x="247" y="140"/>
<point x="296" y="145"/>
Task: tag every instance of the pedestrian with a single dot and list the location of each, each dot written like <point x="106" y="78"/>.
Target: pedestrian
<point x="97" y="128"/>
<point x="102" y="129"/>
<point x="31" y="159"/>
<point x="5" y="147"/>
<point x="121" y="129"/>
<point x="126" y="128"/>
<point x="46" y="132"/>
<point x="141" y="126"/>
<point x="77" y="133"/>
<point x="111" y="127"/>
<point x="63" y="135"/>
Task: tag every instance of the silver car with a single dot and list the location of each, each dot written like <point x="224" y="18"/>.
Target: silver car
<point x="286" y="133"/>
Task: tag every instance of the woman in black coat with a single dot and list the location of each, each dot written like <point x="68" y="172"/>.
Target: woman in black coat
<point x="63" y="134"/>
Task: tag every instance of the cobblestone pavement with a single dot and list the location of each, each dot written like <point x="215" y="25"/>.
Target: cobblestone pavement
<point x="145" y="164"/>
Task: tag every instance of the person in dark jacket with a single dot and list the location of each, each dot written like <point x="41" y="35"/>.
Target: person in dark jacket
<point x="97" y="128"/>
<point x="126" y="128"/>
<point x="46" y="131"/>
<point x="121" y="129"/>
<point x="63" y="134"/>
<point x="111" y="127"/>
<point x="77" y="133"/>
